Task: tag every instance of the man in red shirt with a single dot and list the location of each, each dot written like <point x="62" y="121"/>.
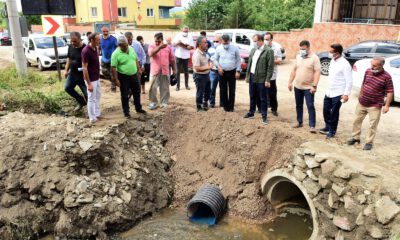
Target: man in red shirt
<point x="377" y="84"/>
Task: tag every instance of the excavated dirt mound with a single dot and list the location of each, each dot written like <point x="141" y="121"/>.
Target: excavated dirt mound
<point x="231" y="152"/>
<point x="60" y="175"/>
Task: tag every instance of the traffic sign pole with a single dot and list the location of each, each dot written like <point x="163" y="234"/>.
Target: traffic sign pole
<point x="57" y="59"/>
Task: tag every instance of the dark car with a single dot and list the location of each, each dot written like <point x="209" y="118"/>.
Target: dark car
<point x="367" y="49"/>
<point x="5" y="40"/>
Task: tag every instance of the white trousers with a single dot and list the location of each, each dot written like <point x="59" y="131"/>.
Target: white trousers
<point x="93" y="104"/>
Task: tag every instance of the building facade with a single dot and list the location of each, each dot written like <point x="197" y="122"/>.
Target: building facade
<point x="143" y="13"/>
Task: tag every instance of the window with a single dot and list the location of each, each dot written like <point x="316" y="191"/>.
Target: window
<point x="242" y="39"/>
<point x="31" y="46"/>
<point x="150" y="12"/>
<point x="387" y="48"/>
<point x="122" y="12"/>
<point x="395" y="63"/>
<point x="164" y="12"/>
<point x="93" y="11"/>
<point x="362" y="48"/>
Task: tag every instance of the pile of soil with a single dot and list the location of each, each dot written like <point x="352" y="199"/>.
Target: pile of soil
<point x="226" y="150"/>
<point x="61" y="175"/>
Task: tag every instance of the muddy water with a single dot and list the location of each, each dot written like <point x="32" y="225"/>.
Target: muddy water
<point x="173" y="224"/>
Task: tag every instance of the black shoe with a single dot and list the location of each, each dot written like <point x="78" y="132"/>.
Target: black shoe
<point x="367" y="146"/>
<point x="205" y="106"/>
<point x="200" y="109"/>
<point x="249" y="116"/>
<point x="324" y="131"/>
<point x="298" y="125"/>
<point x="212" y="106"/>
<point x="330" y="135"/>
<point x="264" y="121"/>
<point x="141" y="111"/>
<point x="275" y="113"/>
<point x="127" y="116"/>
<point x="352" y="141"/>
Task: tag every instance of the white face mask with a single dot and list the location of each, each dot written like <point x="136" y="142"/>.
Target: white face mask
<point x="226" y="46"/>
<point x="185" y="34"/>
<point x="266" y="42"/>
<point x="255" y="45"/>
<point x="303" y="53"/>
<point x="216" y="44"/>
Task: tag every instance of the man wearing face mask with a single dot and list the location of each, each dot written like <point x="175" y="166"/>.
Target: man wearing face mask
<point x="339" y="89"/>
<point x="214" y="76"/>
<point x="259" y="72"/>
<point x="272" y="91"/>
<point x="227" y="60"/>
<point x="306" y="74"/>
<point x="183" y="43"/>
<point x="377" y="84"/>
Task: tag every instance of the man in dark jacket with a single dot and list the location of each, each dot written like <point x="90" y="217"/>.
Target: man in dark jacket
<point x="258" y="75"/>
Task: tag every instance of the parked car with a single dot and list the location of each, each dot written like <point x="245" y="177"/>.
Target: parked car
<point x="367" y="49"/>
<point x="5" y="39"/>
<point x="39" y="51"/>
<point x="392" y="66"/>
<point x="243" y="38"/>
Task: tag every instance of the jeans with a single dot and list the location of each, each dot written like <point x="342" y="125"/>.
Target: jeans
<point x="93" y="104"/>
<point x="69" y="87"/>
<point x="272" y="96"/>
<point x="299" y="96"/>
<point x="214" y="78"/>
<point x="182" y="63"/>
<point x="129" y="84"/>
<point x="258" y="91"/>
<point x="227" y="89"/>
<point x="202" y="82"/>
<point x="331" y="113"/>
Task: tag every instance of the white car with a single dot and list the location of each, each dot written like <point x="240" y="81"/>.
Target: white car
<point x="39" y="51"/>
<point x="392" y="66"/>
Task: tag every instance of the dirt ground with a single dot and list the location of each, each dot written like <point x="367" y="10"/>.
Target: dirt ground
<point x="233" y="153"/>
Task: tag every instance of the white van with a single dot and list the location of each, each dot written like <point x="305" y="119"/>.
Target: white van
<point x="39" y="51"/>
<point x="241" y="37"/>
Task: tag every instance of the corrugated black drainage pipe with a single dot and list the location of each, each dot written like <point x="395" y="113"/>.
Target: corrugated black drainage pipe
<point x="207" y="206"/>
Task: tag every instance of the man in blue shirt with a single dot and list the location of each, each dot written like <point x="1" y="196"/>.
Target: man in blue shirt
<point x="108" y="44"/>
<point x="227" y="60"/>
<point x="141" y="55"/>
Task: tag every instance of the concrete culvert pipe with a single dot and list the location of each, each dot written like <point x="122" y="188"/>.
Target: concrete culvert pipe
<point x="207" y="206"/>
<point x="282" y="189"/>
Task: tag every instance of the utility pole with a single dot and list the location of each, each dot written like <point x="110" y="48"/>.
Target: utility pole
<point x="15" y="28"/>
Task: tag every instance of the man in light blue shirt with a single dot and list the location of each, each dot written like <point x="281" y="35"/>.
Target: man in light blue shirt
<point x="227" y="60"/>
<point x="138" y="49"/>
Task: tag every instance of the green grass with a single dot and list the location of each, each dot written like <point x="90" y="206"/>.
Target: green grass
<point x="35" y="93"/>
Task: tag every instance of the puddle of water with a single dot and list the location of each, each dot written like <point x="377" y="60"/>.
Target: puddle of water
<point x="173" y="224"/>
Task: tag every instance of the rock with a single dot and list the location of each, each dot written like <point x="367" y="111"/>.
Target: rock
<point x="45" y="148"/>
<point x="85" y="146"/>
<point x="111" y="191"/>
<point x="322" y="209"/>
<point x="8" y="200"/>
<point x="311" y="187"/>
<point x="126" y="196"/>
<point x="368" y="211"/>
<point x="309" y="152"/>
<point x="118" y="200"/>
<point x="386" y="210"/>
<point x="339" y="189"/>
<point x="298" y="174"/>
<point x="311" y="175"/>
<point x="339" y="235"/>
<point x="343" y="173"/>
<point x="328" y="167"/>
<point x="333" y="199"/>
<point x="85" y="198"/>
<point x="82" y="186"/>
<point x="350" y="205"/>
<point x="375" y="232"/>
<point x="98" y="136"/>
<point x="360" y="219"/>
<point x="59" y="147"/>
<point x="324" y="182"/>
<point x="362" y="198"/>
<point x="98" y="205"/>
<point x="367" y="192"/>
<point x="343" y="223"/>
<point x="128" y="174"/>
<point x="299" y="161"/>
<point x="69" y="201"/>
<point x="310" y="162"/>
<point x="321" y="157"/>
<point x="69" y="144"/>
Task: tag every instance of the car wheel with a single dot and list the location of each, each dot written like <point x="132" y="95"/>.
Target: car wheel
<point x="40" y="66"/>
<point x="325" y="66"/>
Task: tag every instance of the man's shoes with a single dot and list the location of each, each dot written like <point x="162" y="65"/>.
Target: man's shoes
<point x="177" y="89"/>
<point x="324" y="131"/>
<point x="78" y="108"/>
<point x="128" y="116"/>
<point x="249" y="116"/>
<point x="264" y="121"/>
<point x="313" y="130"/>
<point x="141" y="111"/>
<point x="275" y="113"/>
<point x="352" y="141"/>
<point x="212" y="106"/>
<point x="205" y="106"/>
<point x="297" y="125"/>
<point x="330" y="135"/>
<point x="200" y="109"/>
<point x="152" y="106"/>
<point x="367" y="146"/>
<point x="187" y="88"/>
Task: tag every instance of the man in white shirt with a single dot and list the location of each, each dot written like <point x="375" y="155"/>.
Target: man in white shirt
<point x="338" y="91"/>
<point x="183" y="43"/>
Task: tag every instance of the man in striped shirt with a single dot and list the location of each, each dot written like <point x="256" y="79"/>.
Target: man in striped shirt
<point x="377" y="84"/>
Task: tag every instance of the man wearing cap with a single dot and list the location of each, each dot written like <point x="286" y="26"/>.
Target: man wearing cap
<point x="125" y="67"/>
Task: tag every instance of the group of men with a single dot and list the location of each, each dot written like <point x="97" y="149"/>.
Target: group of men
<point x="129" y="63"/>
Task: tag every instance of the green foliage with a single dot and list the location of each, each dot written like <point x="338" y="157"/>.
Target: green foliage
<point x="272" y="15"/>
<point x="36" y="93"/>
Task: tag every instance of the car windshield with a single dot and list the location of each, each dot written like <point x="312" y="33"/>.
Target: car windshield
<point x="47" y="42"/>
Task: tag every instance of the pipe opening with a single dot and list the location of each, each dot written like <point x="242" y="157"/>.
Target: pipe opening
<point x="201" y="213"/>
<point x="287" y="194"/>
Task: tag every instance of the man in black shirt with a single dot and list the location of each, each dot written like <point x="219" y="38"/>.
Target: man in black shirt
<point x="73" y="71"/>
